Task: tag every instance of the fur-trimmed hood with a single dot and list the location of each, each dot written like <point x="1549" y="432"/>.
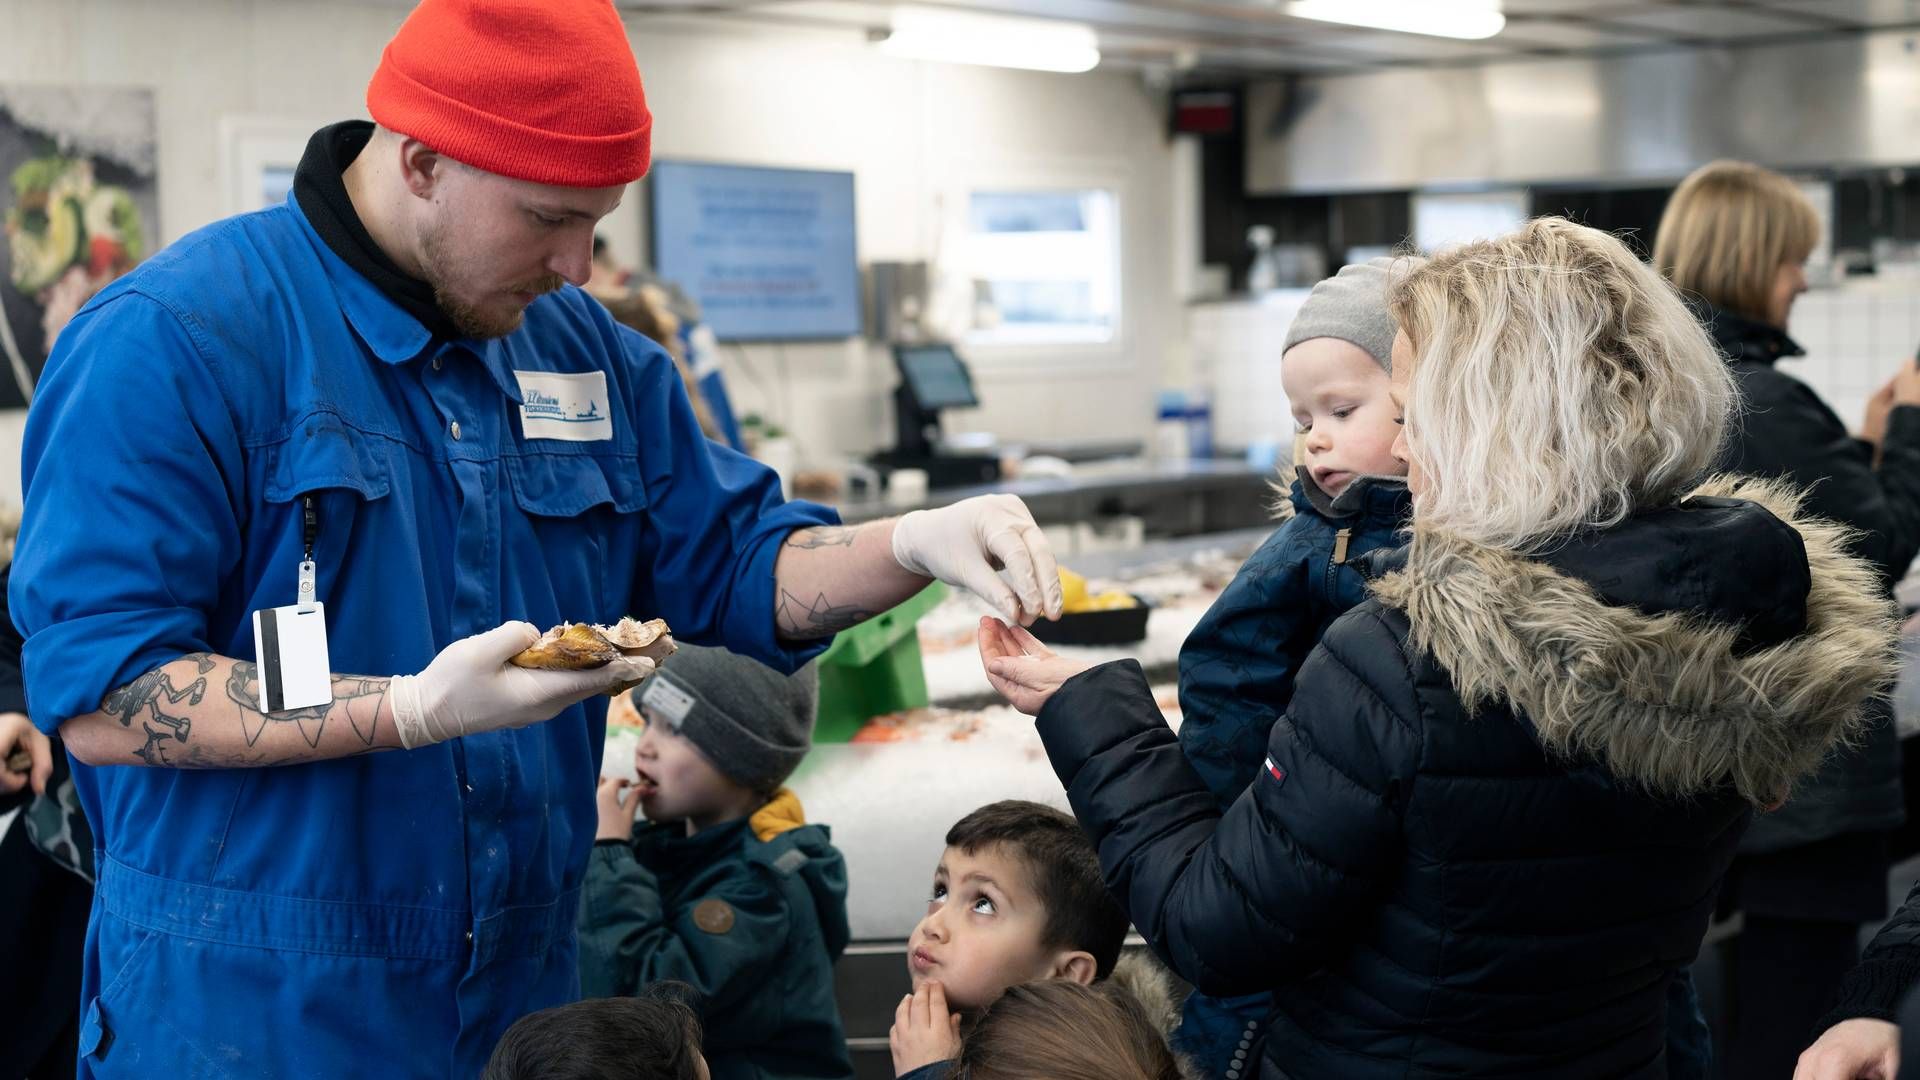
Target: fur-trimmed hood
<point x="1152" y="986"/>
<point x="1739" y="654"/>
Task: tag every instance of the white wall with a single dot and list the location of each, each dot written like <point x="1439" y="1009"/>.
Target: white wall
<point x="915" y="134"/>
<point x="1857" y="336"/>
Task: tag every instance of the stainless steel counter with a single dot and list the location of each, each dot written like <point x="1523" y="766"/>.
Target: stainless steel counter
<point x="1175" y="499"/>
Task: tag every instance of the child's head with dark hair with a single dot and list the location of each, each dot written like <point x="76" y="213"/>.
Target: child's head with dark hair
<point x="1063" y="1030"/>
<point x="655" y="1036"/>
<point x="1017" y="896"/>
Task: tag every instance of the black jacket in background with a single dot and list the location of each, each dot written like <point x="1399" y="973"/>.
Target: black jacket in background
<point x="1493" y="821"/>
<point x="1785" y="430"/>
<point x="1888" y="971"/>
<point x="13" y="686"/>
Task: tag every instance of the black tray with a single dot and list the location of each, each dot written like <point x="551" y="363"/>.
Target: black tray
<point x="1120" y="626"/>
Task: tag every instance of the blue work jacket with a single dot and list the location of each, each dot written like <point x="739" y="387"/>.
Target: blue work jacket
<point x="390" y="913"/>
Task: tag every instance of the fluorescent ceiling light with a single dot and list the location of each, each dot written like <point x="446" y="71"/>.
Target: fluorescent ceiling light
<point x="1469" y="19"/>
<point x="960" y="38"/>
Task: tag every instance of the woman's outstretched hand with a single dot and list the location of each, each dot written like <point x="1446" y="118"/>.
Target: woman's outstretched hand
<point x="1021" y="669"/>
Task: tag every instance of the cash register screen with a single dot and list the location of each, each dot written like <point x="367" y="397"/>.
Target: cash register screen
<point x="936" y="376"/>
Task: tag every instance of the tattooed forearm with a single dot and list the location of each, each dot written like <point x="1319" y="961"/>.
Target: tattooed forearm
<point x="850" y="573"/>
<point x="153" y="700"/>
<point x="186" y="726"/>
<point x="144" y="693"/>
<point x="354" y="697"/>
<point x="799" y="620"/>
<point x="821" y="536"/>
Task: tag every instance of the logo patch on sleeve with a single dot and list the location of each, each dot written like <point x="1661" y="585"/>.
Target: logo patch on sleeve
<point x="1276" y="771"/>
<point x="713" y="915"/>
<point x="558" y="405"/>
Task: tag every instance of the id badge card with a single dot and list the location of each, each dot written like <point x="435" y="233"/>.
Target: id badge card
<point x="291" y="643"/>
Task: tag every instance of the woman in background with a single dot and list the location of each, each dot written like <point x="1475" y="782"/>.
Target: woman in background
<point x="1733" y="239"/>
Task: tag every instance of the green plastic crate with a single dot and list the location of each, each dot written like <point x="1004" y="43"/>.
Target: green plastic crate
<point x="874" y="668"/>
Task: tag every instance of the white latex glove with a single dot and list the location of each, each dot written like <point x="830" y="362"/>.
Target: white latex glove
<point x="989" y="546"/>
<point x="470" y="688"/>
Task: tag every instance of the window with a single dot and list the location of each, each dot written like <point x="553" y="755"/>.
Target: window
<point x="1443" y="219"/>
<point x="275" y="182"/>
<point x="1045" y="266"/>
<point x="257" y="158"/>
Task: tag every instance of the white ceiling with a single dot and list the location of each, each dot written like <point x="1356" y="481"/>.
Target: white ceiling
<point x="1255" y="37"/>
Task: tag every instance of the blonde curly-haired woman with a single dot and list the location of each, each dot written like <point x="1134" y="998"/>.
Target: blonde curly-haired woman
<point x="1494" y="817"/>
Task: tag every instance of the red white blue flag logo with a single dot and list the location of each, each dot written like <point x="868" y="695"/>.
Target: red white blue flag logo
<point x="1277" y="771"/>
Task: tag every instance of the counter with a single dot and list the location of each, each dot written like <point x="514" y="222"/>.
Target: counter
<point x="1175" y="498"/>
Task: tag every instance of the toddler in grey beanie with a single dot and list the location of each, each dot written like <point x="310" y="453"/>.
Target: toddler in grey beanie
<point x="749" y="721"/>
<point x="1335" y="365"/>
<point x="1352" y="306"/>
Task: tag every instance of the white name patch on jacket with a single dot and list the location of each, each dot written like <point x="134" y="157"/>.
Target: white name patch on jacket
<point x="557" y="405"/>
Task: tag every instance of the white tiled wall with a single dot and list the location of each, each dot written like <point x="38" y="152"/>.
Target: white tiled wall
<point x="1236" y="357"/>
<point x="1856" y="336"/>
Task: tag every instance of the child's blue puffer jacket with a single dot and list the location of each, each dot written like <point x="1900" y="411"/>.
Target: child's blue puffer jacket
<point x="1236" y="675"/>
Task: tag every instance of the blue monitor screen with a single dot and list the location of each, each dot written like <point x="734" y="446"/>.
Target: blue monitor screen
<point x="768" y="253"/>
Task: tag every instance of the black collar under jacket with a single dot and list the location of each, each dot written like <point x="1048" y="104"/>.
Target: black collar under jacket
<point x="1366" y="496"/>
<point x="1728" y="636"/>
<point x="319" y="186"/>
<point x="1741" y="339"/>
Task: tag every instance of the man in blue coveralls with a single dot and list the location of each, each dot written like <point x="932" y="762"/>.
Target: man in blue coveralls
<point x="357" y="390"/>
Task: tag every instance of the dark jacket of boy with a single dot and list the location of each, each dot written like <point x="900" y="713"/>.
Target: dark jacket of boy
<point x="1237" y="667"/>
<point x="752" y="914"/>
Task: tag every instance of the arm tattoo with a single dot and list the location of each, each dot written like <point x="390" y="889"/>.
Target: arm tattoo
<point x="358" y="697"/>
<point x="161" y="709"/>
<point x="799" y="619"/>
<point x="820" y="536"/>
<point x="148" y="699"/>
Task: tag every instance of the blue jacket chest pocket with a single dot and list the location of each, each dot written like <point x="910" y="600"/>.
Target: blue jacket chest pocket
<point x="574" y="544"/>
<point x="349" y="474"/>
<point x="321" y="451"/>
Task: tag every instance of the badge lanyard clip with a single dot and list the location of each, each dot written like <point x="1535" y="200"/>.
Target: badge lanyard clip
<point x="290" y="643"/>
<point x="309" y="529"/>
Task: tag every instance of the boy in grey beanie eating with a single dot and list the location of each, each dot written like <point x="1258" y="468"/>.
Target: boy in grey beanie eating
<point x="726" y="888"/>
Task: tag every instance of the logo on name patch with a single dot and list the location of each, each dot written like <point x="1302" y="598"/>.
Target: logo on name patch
<point x="560" y="405"/>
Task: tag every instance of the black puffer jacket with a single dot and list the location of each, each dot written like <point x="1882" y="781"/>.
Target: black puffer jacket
<point x="1493" y="821"/>
<point x="1786" y="431"/>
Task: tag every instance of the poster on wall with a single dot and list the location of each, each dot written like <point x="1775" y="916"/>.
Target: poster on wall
<point x="78" y="208"/>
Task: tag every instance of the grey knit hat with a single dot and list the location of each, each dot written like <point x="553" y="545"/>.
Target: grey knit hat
<point x="753" y="723"/>
<point x="1352" y="306"/>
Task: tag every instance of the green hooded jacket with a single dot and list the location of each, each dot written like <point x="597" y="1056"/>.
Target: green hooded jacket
<point x="752" y="914"/>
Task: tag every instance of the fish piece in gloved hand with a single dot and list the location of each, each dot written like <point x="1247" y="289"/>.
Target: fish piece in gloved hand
<point x="579" y="646"/>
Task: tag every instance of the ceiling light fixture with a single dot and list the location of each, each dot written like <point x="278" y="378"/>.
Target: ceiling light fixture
<point x="958" y="38"/>
<point x="1466" y="19"/>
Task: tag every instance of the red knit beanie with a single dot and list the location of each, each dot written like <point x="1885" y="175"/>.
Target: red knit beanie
<point x="542" y="90"/>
